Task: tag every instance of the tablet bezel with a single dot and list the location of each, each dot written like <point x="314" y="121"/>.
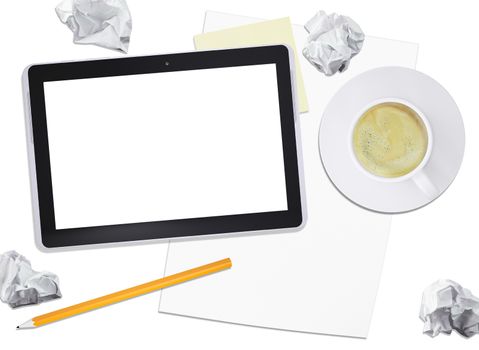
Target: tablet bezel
<point x="42" y="192"/>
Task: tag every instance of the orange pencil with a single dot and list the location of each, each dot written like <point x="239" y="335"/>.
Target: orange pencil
<point x="126" y="294"/>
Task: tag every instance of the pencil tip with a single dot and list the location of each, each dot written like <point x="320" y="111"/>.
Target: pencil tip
<point x="26" y="325"/>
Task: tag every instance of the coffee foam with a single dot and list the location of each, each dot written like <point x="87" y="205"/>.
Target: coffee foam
<point x="390" y="140"/>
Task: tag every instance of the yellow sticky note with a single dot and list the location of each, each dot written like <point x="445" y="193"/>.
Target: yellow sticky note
<point x="273" y="32"/>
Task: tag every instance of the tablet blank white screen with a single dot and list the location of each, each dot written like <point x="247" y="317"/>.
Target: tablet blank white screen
<point x="165" y="146"/>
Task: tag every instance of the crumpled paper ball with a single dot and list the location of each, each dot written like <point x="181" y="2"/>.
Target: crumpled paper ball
<point x="21" y="285"/>
<point x="446" y="306"/>
<point x="105" y="23"/>
<point x="332" y="42"/>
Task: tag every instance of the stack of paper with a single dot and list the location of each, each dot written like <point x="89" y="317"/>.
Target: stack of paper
<point x="322" y="279"/>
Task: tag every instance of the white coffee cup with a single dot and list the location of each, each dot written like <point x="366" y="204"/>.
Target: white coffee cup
<point x="420" y="178"/>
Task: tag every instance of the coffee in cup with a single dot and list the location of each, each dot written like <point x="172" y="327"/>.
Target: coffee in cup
<point x="390" y="140"/>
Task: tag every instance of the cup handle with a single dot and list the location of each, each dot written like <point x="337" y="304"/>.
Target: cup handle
<point x="425" y="185"/>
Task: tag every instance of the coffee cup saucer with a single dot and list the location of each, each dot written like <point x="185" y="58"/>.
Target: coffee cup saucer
<point x="446" y="128"/>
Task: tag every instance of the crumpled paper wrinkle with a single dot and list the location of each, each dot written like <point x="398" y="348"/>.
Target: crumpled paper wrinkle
<point x="21" y="285"/>
<point x="447" y="306"/>
<point x="332" y="42"/>
<point x="105" y="23"/>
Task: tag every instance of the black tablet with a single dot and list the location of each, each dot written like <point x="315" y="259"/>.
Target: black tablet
<point x="158" y="147"/>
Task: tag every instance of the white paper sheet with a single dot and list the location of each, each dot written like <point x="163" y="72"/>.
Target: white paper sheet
<point x="323" y="279"/>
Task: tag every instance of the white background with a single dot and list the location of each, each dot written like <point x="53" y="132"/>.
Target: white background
<point x="439" y="241"/>
<point x="165" y="146"/>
